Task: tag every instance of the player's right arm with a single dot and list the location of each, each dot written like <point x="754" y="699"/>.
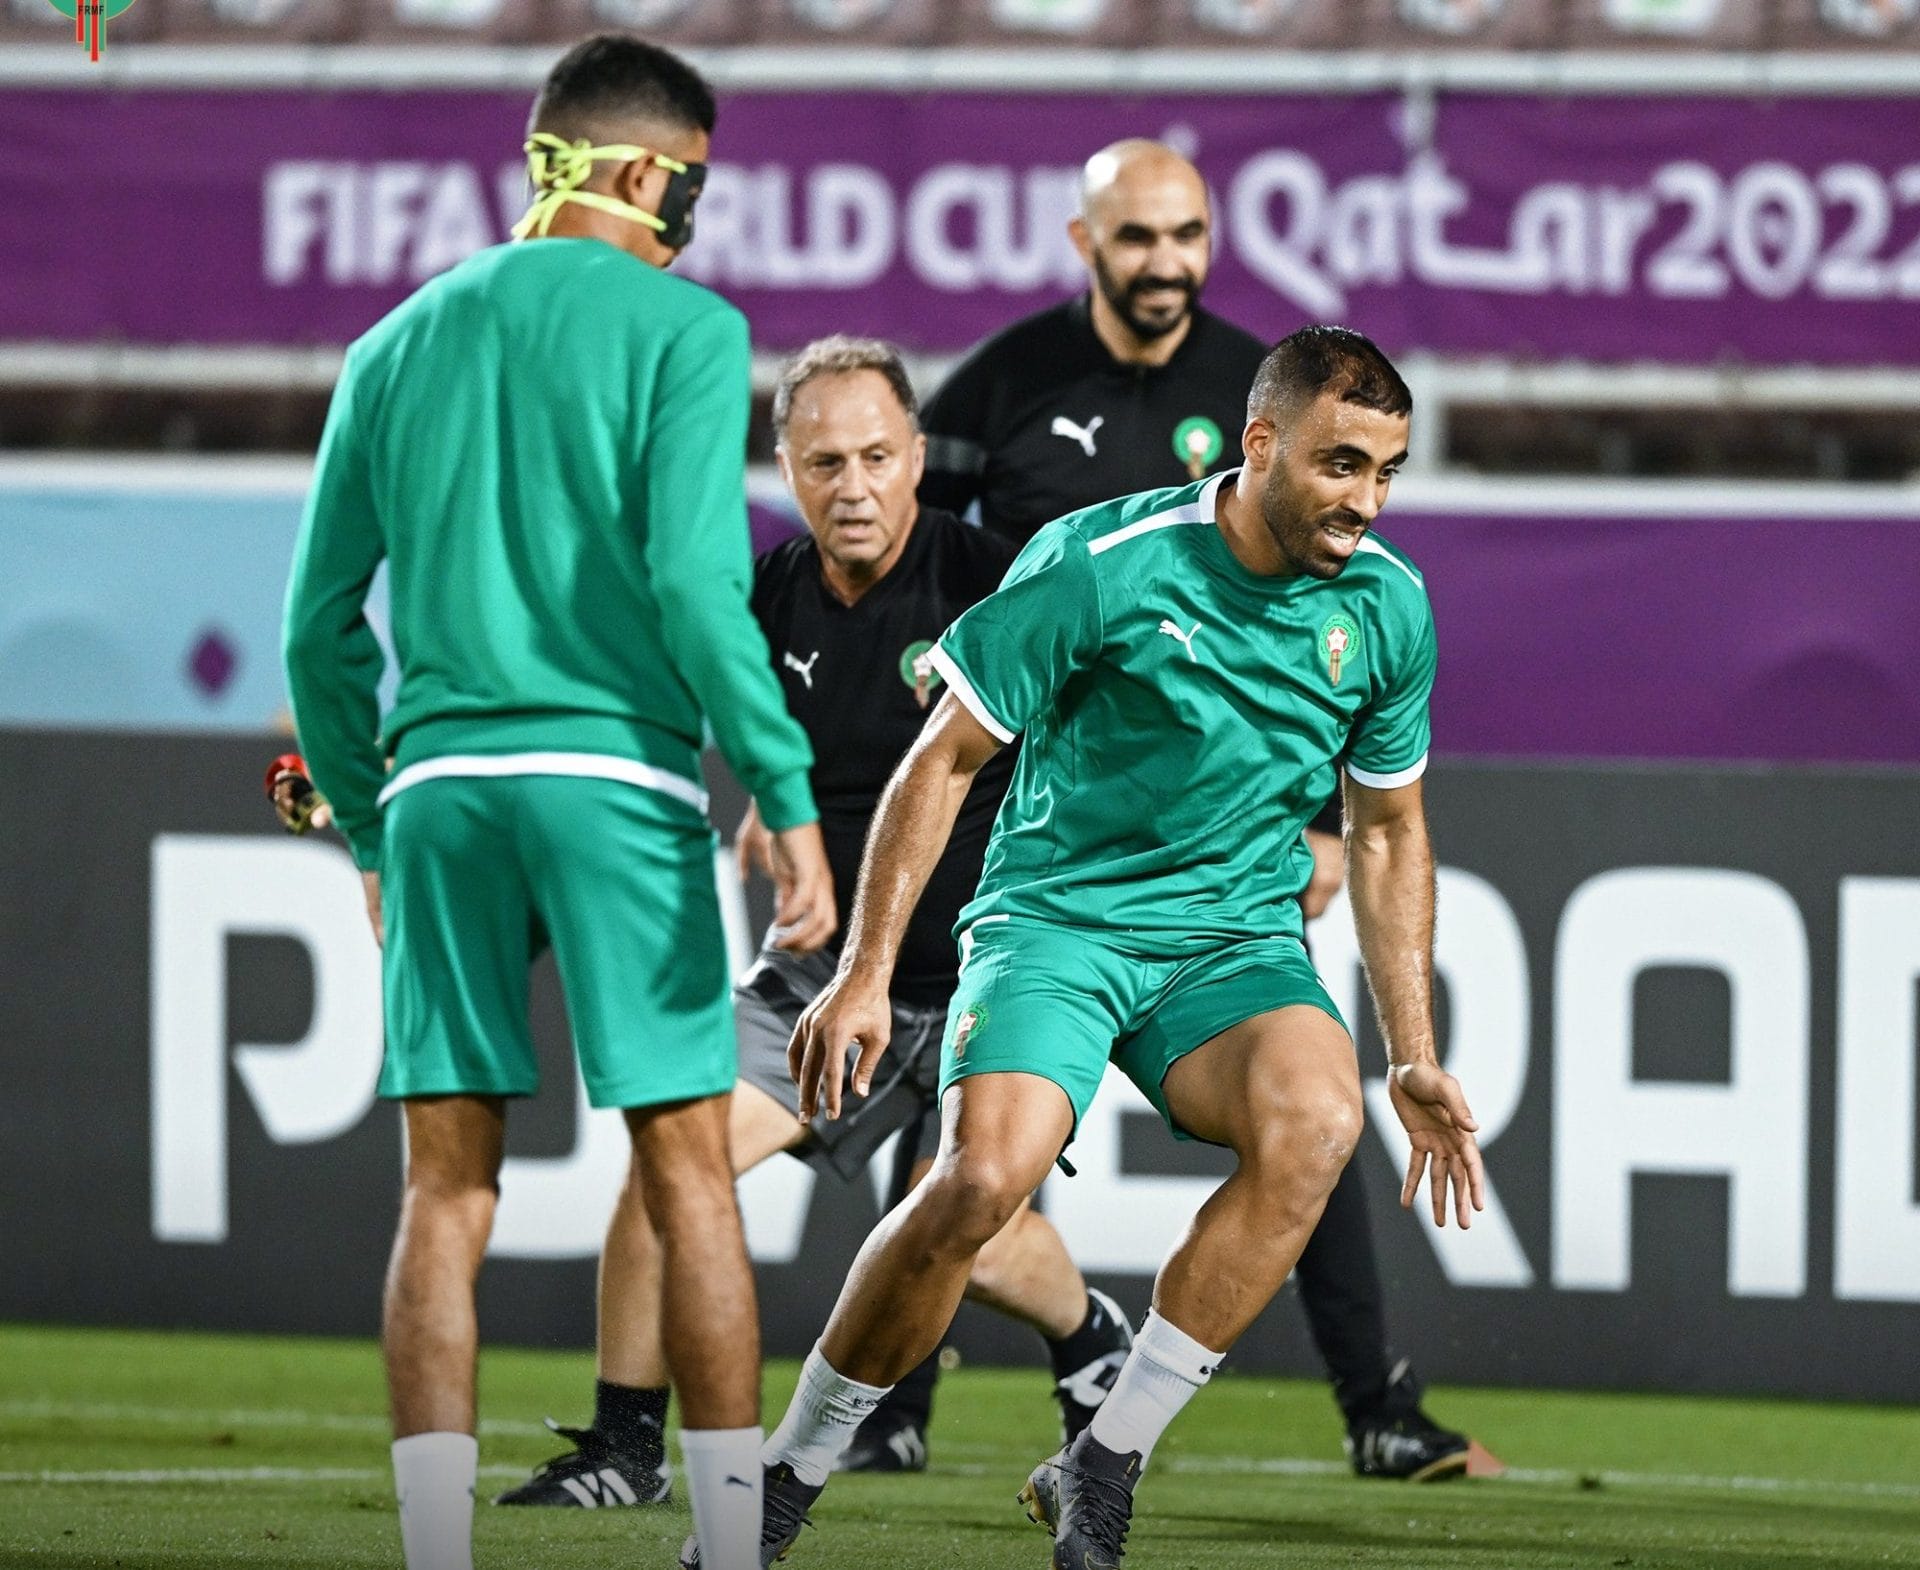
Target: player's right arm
<point x="911" y="827"/>
<point x="1391" y="889"/>
<point x="694" y="467"/>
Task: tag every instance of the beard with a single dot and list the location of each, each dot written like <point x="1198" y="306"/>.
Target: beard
<point x="1125" y="299"/>
<point x="1295" y="531"/>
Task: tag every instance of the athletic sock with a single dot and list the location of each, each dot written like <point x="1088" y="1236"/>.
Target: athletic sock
<point x="631" y="1417"/>
<point x="1162" y="1373"/>
<point x="820" y="1420"/>
<point x="1073" y="1351"/>
<point x="433" y="1477"/>
<point x="722" y="1468"/>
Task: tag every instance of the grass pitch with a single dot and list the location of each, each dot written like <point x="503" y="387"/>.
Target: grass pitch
<point x="164" y="1452"/>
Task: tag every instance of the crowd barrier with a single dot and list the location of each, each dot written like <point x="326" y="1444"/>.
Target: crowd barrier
<point x="1427" y="25"/>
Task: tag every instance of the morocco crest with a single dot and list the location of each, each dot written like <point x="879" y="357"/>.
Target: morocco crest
<point x="1339" y="644"/>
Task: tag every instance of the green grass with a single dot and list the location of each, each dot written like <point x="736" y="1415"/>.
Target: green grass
<point x="1247" y="1477"/>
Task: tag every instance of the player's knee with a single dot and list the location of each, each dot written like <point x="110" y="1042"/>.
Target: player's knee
<point x="683" y="1194"/>
<point x="450" y="1200"/>
<point x="1302" y="1136"/>
<point x="969" y="1201"/>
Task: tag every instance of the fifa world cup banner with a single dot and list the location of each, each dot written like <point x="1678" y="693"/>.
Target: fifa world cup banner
<point x="1614" y="228"/>
<point x="1684" y="1000"/>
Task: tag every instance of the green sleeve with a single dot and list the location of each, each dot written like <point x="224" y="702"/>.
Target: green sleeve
<point x="1388" y="747"/>
<point x="1008" y="656"/>
<point x="700" y="564"/>
<point x="333" y="660"/>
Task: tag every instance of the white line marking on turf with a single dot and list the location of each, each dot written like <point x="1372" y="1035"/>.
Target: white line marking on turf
<point x="1558" y="1477"/>
<point x="368" y="1423"/>
<point x="268" y="1417"/>
<point x="1563" y="1476"/>
<point x="235" y="1474"/>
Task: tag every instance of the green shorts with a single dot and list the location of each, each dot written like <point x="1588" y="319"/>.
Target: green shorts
<point x="1062" y="1002"/>
<point x="620" y="878"/>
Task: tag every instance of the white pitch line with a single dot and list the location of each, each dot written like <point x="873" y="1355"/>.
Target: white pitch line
<point x="1564" y="1477"/>
<point x="233" y="1474"/>
<point x="367" y="1423"/>
<point x="264" y="1417"/>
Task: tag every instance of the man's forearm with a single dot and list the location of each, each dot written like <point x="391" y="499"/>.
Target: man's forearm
<point x="910" y="830"/>
<point x="1391" y="871"/>
<point x="337" y="717"/>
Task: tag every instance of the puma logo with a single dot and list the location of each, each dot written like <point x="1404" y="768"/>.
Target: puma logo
<point x="805" y="670"/>
<point x="1173" y="631"/>
<point x="1083" y="434"/>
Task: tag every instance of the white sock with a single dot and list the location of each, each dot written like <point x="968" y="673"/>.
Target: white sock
<point x="820" y="1420"/>
<point x="1161" y="1375"/>
<point x="722" y="1469"/>
<point x="433" y="1476"/>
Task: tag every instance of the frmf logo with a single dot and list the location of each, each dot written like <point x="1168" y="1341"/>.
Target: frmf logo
<point x="90" y="20"/>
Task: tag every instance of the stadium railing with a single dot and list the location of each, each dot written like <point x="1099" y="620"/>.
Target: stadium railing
<point x="1426" y="27"/>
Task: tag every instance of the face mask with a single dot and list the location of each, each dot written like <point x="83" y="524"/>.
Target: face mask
<point x="559" y="168"/>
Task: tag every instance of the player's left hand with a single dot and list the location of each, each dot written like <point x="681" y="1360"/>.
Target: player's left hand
<point x="297" y="805"/>
<point x="804" y="913"/>
<point x="848" y="1012"/>
<point x="1434" y="1110"/>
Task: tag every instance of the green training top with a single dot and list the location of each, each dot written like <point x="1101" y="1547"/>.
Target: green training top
<point x="1183" y="718"/>
<point x="547" y="444"/>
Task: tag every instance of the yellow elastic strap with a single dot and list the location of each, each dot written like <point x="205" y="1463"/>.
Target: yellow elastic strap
<point x="558" y="168"/>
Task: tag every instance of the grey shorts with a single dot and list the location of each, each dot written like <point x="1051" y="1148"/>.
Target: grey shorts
<point x="767" y="1004"/>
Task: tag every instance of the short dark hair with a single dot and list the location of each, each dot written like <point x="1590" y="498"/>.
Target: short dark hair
<point x="1315" y="360"/>
<point x="836" y="356"/>
<point x="616" y="78"/>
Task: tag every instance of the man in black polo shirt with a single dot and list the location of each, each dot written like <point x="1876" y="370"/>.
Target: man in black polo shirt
<point x="1131" y="386"/>
<point x="849" y="610"/>
<point x="1128" y="387"/>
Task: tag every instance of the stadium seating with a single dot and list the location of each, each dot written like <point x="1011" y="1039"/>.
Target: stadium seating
<point x="1080" y="24"/>
<point x="866" y="23"/>
<point x="1666" y="24"/>
<point x="1475" y="24"/>
<point x="439" y="21"/>
<point x="676" y="23"/>
<point x="1846" y="24"/>
<point x="1284" y="24"/>
<point x="263" y="21"/>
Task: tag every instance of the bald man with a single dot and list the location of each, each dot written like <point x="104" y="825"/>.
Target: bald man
<point x="1131" y="386"/>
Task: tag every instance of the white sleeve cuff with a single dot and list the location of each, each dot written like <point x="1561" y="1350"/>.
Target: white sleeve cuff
<point x="956" y="680"/>
<point x="1392" y="781"/>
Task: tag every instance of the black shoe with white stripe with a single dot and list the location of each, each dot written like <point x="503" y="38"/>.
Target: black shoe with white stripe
<point x="1103" y="1342"/>
<point x="886" y="1442"/>
<point x="1397" y="1439"/>
<point x="594" y="1475"/>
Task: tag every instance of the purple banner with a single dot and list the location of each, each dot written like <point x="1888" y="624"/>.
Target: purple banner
<point x="1768" y="231"/>
<point x="1712" y="638"/>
